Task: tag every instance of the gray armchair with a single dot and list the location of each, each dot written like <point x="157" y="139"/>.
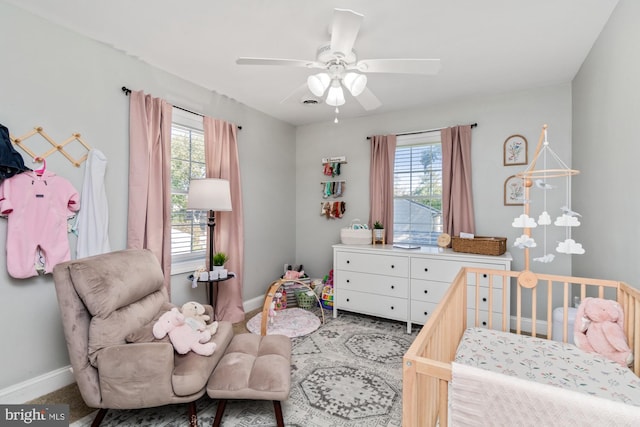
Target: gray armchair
<point x="108" y="305"/>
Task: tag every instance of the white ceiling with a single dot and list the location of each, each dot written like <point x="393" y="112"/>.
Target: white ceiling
<point x="485" y="47"/>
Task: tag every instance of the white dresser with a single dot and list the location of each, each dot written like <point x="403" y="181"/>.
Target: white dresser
<point x="407" y="284"/>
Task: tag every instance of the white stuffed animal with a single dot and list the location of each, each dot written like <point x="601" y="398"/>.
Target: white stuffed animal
<point x="195" y="317"/>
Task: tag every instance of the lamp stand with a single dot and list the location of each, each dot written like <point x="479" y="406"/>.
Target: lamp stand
<point x="211" y="224"/>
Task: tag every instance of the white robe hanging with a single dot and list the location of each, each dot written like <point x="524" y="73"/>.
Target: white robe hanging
<point x="93" y="219"/>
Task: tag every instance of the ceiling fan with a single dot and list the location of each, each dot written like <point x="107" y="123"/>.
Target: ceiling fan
<point x="341" y="67"/>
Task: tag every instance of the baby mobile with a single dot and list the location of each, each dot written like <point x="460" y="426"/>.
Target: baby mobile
<point x="545" y="180"/>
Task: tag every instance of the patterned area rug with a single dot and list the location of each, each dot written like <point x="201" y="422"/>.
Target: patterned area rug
<point x="348" y="373"/>
<point x="291" y="322"/>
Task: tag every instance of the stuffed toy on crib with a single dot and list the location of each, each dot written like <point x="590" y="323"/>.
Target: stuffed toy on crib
<point x="599" y="328"/>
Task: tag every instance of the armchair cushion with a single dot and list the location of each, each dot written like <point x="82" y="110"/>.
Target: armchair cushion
<point x="192" y="370"/>
<point x="145" y="332"/>
<point x="107" y="286"/>
<point x="114" y="327"/>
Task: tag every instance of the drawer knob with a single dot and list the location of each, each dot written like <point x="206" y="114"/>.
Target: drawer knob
<point x="484" y="300"/>
<point x="484" y="275"/>
<point x="426" y="291"/>
<point x="347" y="299"/>
<point x="393" y="266"/>
<point x="484" y="323"/>
<point x="426" y="269"/>
<point x="391" y="307"/>
<point x="393" y="287"/>
<point x="426" y="313"/>
<point x="347" y="280"/>
<point x="348" y="261"/>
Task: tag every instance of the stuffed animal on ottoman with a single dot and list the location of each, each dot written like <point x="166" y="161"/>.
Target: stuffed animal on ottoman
<point x="182" y="336"/>
<point x="196" y="318"/>
<point x="599" y="329"/>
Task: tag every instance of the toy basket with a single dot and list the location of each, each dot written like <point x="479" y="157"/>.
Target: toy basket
<point x="306" y="299"/>
<point x="480" y="245"/>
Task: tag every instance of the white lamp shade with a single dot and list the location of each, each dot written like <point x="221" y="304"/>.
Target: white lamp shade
<point x="335" y="97"/>
<point x="209" y="194"/>
<point x="355" y="83"/>
<point x="318" y="83"/>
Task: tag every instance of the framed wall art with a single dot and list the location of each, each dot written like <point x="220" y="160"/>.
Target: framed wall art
<point x="514" y="191"/>
<point x="515" y="150"/>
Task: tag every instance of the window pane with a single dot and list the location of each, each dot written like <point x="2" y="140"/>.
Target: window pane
<point x="188" y="228"/>
<point x="418" y="194"/>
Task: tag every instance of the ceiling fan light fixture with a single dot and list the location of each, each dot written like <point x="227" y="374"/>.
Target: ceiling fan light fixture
<point x="355" y="83"/>
<point x="318" y="83"/>
<point x="335" y="97"/>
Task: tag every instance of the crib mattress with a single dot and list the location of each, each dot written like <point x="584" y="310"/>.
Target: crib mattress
<point x="548" y="362"/>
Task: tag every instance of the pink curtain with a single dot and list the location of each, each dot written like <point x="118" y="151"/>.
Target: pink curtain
<point x="221" y="157"/>
<point x="457" y="195"/>
<point x="149" y="216"/>
<point x="383" y="154"/>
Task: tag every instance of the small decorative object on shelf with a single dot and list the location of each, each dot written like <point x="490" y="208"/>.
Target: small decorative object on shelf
<point x="444" y="240"/>
<point x="218" y="270"/>
<point x="378" y="233"/>
<point x="219" y="259"/>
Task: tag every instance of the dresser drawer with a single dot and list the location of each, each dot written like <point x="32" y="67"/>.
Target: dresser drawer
<point x="388" y="265"/>
<point x="483" y="303"/>
<point x="372" y="283"/>
<point x="483" y="320"/>
<point x="425" y="290"/>
<point x="376" y="305"/>
<point x="421" y="310"/>
<point x="434" y="269"/>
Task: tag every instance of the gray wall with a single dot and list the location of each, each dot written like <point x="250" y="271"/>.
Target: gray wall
<point x="66" y="83"/>
<point x="497" y="116"/>
<point x="606" y="148"/>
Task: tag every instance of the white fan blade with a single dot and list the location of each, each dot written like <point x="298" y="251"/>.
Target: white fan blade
<point x="368" y="100"/>
<point x="281" y="62"/>
<point x="344" y="30"/>
<point x="405" y="66"/>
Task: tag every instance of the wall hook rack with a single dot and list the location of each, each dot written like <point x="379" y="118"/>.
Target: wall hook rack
<point x="19" y="141"/>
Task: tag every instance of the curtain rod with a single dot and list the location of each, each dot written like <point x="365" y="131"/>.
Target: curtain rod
<point x="473" y="125"/>
<point x="127" y="91"/>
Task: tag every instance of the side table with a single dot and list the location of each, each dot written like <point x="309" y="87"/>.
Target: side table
<point x="213" y="285"/>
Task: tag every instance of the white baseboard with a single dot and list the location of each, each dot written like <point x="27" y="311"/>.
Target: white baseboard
<point x="253" y="303"/>
<point x="36" y="387"/>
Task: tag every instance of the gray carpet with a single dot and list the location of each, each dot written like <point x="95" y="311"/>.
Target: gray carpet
<point x="348" y="373"/>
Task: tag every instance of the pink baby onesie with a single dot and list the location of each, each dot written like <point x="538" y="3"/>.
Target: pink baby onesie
<point x="37" y="207"/>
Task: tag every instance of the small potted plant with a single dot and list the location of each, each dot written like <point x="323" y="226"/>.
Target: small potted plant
<point x="378" y="232"/>
<point x="219" y="259"/>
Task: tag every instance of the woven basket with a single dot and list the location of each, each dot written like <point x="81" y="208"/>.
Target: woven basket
<point x="480" y="245"/>
<point x="304" y="299"/>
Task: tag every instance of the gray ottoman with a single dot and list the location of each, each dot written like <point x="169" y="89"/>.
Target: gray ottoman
<point x="253" y="367"/>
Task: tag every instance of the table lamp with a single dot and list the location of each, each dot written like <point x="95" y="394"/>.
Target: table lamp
<point x="210" y="194"/>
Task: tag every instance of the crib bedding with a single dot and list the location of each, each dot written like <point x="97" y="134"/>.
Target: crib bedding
<point x="548" y="362"/>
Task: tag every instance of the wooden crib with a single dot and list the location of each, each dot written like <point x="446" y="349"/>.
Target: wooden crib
<point x="427" y="368"/>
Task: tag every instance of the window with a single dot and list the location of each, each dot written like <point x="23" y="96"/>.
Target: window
<point x="188" y="228"/>
<point x="417" y="189"/>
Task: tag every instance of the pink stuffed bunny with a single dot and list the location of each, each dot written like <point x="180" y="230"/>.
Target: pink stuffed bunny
<point x="599" y="329"/>
<point x="182" y="336"/>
